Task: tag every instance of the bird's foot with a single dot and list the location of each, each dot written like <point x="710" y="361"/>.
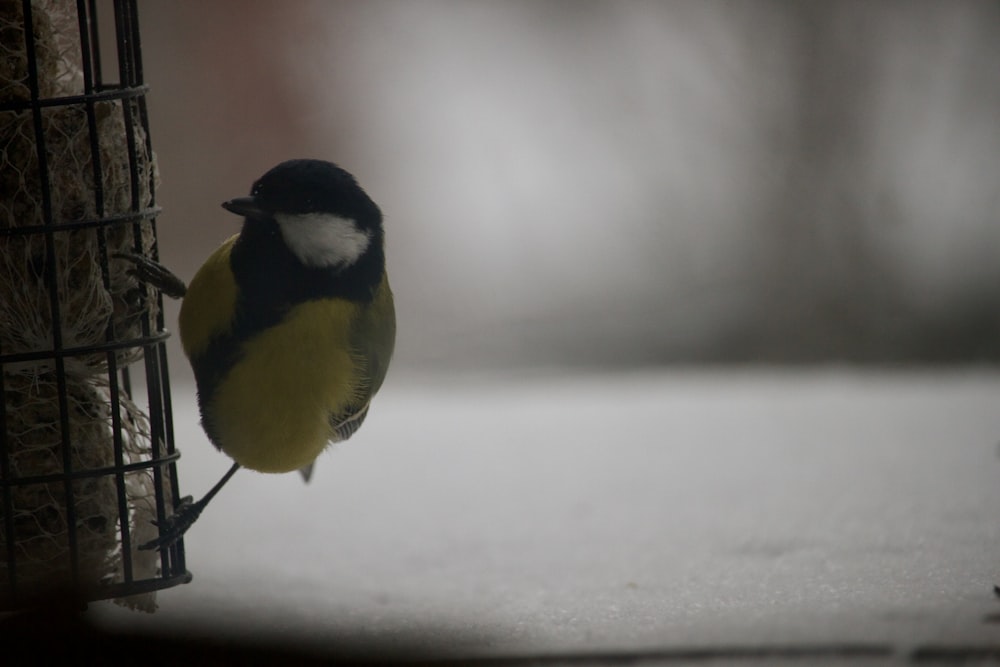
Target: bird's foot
<point x="175" y="525"/>
<point x="155" y="274"/>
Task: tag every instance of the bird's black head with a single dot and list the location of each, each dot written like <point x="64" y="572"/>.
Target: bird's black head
<point x="324" y="217"/>
<point x="314" y="186"/>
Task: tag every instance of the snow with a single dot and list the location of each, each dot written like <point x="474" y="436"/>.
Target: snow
<point x="601" y="513"/>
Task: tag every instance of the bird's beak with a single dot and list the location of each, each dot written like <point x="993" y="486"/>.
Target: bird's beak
<point x="245" y="206"/>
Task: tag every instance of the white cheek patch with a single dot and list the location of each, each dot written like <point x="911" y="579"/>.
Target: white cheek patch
<point x="323" y="240"/>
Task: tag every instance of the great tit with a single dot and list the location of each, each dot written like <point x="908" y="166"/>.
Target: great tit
<point x="289" y="325"/>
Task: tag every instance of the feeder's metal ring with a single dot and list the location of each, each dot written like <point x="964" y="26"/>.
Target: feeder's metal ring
<point x="109" y="346"/>
<point x="92" y="223"/>
<point x="107" y="94"/>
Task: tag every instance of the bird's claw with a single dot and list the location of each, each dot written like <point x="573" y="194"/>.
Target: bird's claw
<point x="154" y="273"/>
<point x="174" y="526"/>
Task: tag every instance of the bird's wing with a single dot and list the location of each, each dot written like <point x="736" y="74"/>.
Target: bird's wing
<point x="344" y="427"/>
<point x="373" y="339"/>
<point x="375" y="336"/>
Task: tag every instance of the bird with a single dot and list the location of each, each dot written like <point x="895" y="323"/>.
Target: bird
<point x="289" y="325"/>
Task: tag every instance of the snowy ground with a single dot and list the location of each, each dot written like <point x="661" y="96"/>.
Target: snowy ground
<point x="847" y="513"/>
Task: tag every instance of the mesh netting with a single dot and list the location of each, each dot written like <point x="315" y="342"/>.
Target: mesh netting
<point x="85" y="468"/>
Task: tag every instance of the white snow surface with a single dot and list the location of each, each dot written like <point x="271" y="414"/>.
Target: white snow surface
<point x="620" y="512"/>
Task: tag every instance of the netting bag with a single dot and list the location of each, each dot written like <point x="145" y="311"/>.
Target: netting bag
<point x="87" y="453"/>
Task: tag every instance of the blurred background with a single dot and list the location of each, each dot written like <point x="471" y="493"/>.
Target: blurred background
<point x="604" y="186"/>
<point x="616" y="184"/>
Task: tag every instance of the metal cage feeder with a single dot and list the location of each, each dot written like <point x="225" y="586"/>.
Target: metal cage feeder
<point x="87" y="457"/>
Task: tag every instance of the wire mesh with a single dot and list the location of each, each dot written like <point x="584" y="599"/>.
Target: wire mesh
<point x="87" y="457"/>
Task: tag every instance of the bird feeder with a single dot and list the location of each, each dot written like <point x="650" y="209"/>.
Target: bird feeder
<point x="87" y="458"/>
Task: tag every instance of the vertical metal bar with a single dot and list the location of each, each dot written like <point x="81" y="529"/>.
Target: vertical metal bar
<point x="95" y="44"/>
<point x="136" y="50"/>
<point x="87" y="53"/>
<point x="88" y="44"/>
<point x="8" y="496"/>
<point x="179" y="565"/>
<point x="52" y="278"/>
<point x="130" y="68"/>
<point x="126" y="382"/>
<point x="157" y="370"/>
<point x="110" y="335"/>
<point x="120" y="487"/>
<point x="123" y="39"/>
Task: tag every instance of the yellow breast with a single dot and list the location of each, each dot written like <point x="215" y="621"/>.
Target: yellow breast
<point x="271" y="411"/>
<point x="210" y="303"/>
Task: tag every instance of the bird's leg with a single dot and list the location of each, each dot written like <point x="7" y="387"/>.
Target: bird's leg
<point x="185" y="515"/>
<point x="155" y="274"/>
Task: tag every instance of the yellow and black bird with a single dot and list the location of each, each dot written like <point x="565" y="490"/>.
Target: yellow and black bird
<point x="289" y="325"/>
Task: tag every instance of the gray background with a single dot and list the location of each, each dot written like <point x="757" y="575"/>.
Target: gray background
<point x="617" y="183"/>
